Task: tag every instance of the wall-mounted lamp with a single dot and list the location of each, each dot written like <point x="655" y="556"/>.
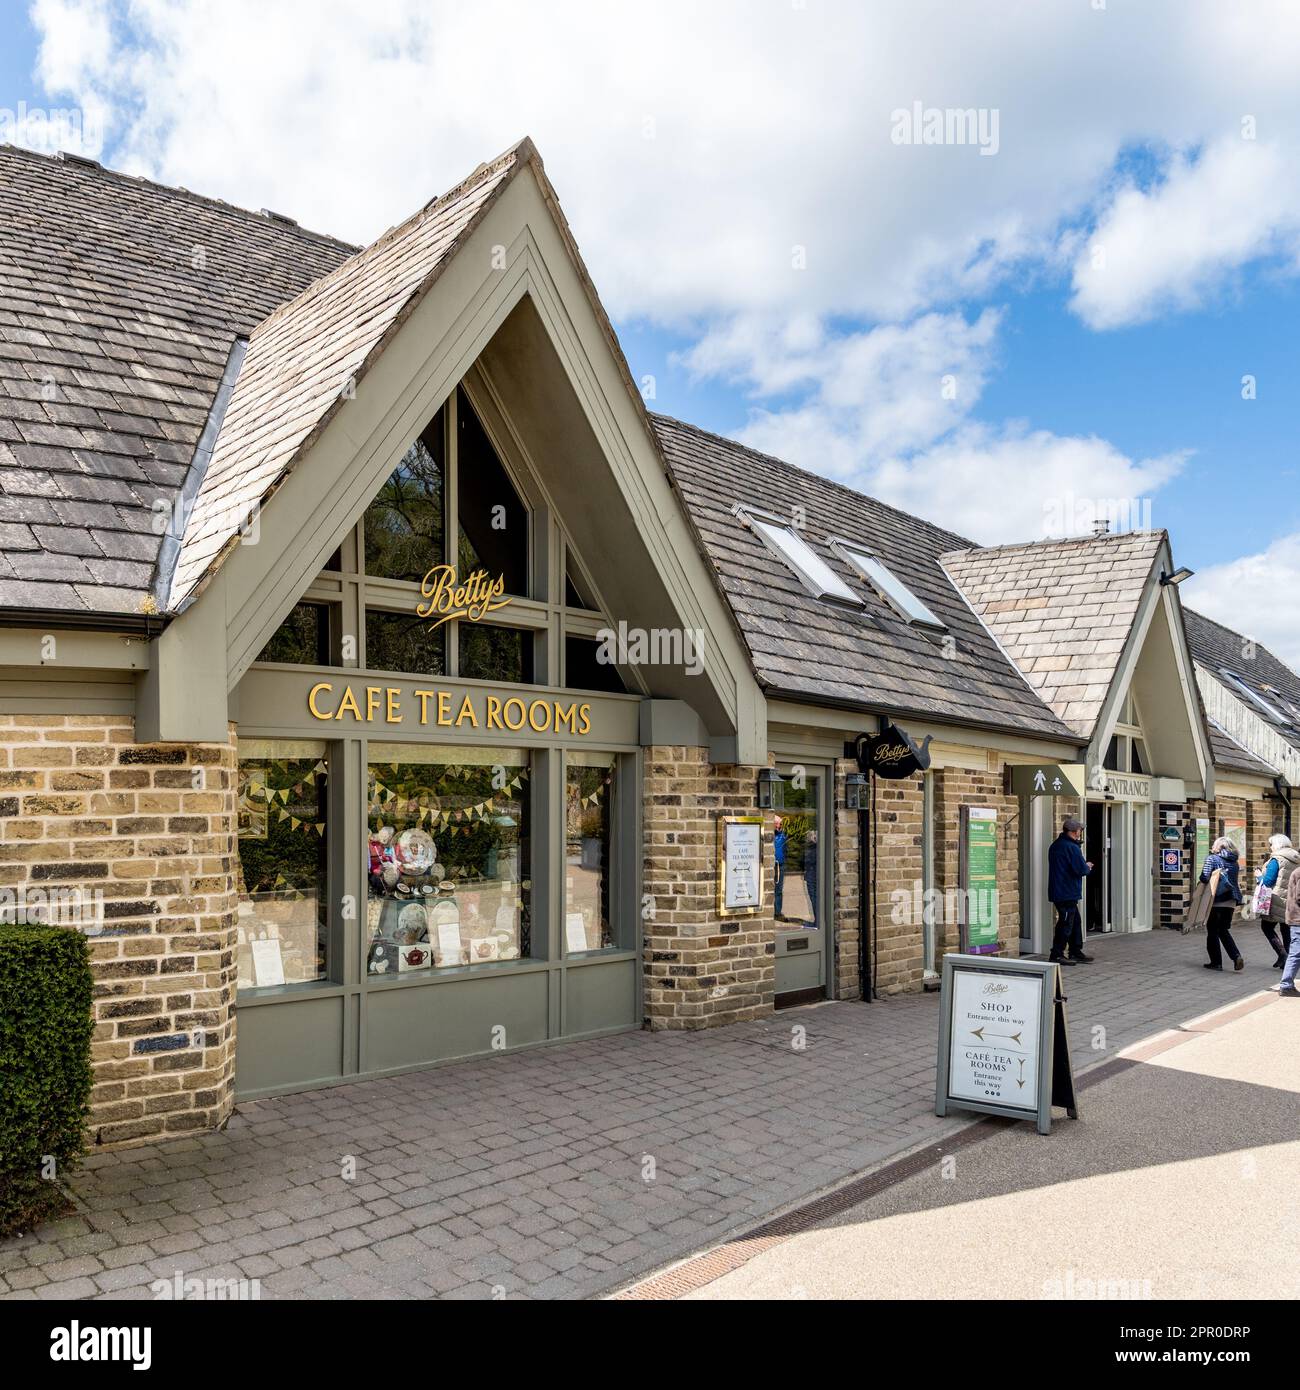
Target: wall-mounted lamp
<point x="771" y="790"/>
<point x="855" y="791"/>
<point x="1181" y="573"/>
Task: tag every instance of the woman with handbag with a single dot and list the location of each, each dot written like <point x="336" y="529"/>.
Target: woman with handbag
<point x="1220" y="871"/>
<point x="1282" y="864"/>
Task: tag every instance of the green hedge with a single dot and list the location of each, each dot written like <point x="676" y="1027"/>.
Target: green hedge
<point x="45" y="1027"/>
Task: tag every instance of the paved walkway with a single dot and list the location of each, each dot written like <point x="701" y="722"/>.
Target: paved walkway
<point x="1178" y="1183"/>
<point x="561" y="1172"/>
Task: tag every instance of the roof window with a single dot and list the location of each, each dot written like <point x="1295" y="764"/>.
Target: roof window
<point x="1253" y="696"/>
<point x="888" y="585"/>
<point x="813" y="572"/>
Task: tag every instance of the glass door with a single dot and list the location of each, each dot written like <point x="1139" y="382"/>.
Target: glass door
<point x="800" y="888"/>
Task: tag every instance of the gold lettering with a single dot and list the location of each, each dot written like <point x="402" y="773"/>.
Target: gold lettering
<point x="566" y="716"/>
<point x="505" y="713"/>
<point x="465" y="712"/>
<point x="494" y="712"/>
<point x="445" y="599"/>
<point x="424" y="696"/>
<point x="348" y="703"/>
<point x="547" y="710"/>
<point x="372" y="702"/>
<point x="444" y="707"/>
<point x="584" y="715"/>
<point x="311" y="699"/>
<point x="393" y="706"/>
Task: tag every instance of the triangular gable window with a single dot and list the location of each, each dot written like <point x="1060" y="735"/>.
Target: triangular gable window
<point x="493" y="520"/>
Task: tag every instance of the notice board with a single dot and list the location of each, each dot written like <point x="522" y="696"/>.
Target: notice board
<point x="979" y="879"/>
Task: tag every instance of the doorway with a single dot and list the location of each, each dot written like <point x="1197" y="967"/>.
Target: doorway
<point x="801" y="890"/>
<point x="1096" y="847"/>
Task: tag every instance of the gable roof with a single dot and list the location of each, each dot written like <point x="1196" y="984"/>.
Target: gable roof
<point x="120" y="300"/>
<point x="1218" y="649"/>
<point x="1062" y="611"/>
<point x="307" y="357"/>
<point x="806" y="648"/>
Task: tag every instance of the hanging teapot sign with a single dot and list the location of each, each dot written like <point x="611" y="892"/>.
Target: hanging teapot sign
<point x="893" y="753"/>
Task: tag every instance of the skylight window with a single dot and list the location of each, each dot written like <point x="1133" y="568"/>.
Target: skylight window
<point x="1253" y="696"/>
<point x="888" y="585"/>
<point x="813" y="572"/>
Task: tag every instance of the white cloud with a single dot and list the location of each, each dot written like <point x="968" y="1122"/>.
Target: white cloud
<point x="1174" y="244"/>
<point x="864" y="394"/>
<point x="1017" y="484"/>
<point x="1254" y="596"/>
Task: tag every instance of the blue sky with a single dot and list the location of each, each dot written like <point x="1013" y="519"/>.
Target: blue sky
<point x="689" y="181"/>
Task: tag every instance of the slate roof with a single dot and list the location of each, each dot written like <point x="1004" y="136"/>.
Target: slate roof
<point x="304" y="360"/>
<point x="119" y="304"/>
<point x="805" y="647"/>
<point x="1231" y="756"/>
<point x="1218" y="649"/>
<point x="1062" y="611"/>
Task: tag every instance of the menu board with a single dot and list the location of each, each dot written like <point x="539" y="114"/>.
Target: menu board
<point x="1004" y="1046"/>
<point x="740" y="864"/>
<point x="980" y="863"/>
<point x="996" y="1022"/>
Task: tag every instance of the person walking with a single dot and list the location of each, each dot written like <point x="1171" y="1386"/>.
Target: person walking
<point x="778" y="863"/>
<point x="1286" y="985"/>
<point x="1282" y="864"/>
<point x="1222" y="860"/>
<point x="1066" y="868"/>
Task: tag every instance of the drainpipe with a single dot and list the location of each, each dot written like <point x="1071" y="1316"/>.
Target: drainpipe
<point x="1284" y="791"/>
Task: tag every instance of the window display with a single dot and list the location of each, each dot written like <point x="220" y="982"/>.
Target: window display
<point x="283" y="921"/>
<point x="447" y="857"/>
<point x="588" y="803"/>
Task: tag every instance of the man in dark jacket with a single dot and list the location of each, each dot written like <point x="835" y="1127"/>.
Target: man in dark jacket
<point x="1066" y="867"/>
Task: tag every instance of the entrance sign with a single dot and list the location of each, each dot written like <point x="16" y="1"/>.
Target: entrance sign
<point x="1202" y="843"/>
<point x="978" y="834"/>
<point x="740" y="865"/>
<point x="1046" y="779"/>
<point x="1003" y="1040"/>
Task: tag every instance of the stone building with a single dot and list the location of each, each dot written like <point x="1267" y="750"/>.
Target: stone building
<point x="383" y="684"/>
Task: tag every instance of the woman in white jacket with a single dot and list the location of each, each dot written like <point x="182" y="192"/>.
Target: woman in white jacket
<point x="1283" y="861"/>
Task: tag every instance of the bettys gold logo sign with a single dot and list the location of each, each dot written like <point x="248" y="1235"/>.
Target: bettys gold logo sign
<point x="445" y="599"/>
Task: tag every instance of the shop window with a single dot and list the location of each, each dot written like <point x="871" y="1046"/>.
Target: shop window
<point x="503" y="655"/>
<point x="493" y="520"/>
<point x="584" y="670"/>
<point x="283" y="836"/>
<point x="447" y="858"/>
<point x="402" y="642"/>
<point x="588" y="839"/>
<point x="303" y="639"/>
<point x="405" y="525"/>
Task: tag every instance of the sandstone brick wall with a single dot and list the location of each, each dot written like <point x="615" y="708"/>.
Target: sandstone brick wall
<point x="898" y="950"/>
<point x="83" y="806"/>
<point x="701" y="969"/>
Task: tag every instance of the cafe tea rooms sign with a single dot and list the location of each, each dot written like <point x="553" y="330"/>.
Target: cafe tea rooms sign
<point x="1003" y="1044"/>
